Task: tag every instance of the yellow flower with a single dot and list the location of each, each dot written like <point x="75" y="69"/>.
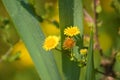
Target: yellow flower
<point x="71" y="31"/>
<point x="50" y="42"/>
<point x="83" y="51"/>
<point x="68" y="43"/>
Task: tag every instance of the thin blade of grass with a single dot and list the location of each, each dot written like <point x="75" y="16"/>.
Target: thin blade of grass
<point x="90" y="73"/>
<point x="31" y="34"/>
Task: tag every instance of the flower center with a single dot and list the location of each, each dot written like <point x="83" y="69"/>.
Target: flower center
<point x="50" y="42"/>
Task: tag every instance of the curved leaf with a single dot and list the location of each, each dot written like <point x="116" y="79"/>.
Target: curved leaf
<point x="31" y="34"/>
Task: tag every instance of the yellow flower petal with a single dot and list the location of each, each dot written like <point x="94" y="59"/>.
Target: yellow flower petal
<point x="50" y="42"/>
<point x="71" y="31"/>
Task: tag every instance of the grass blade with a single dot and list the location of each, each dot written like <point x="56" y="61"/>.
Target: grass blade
<point x="31" y="34"/>
<point x="90" y="74"/>
<point x="71" y="14"/>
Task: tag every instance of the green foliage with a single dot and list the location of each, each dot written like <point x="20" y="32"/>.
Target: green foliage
<point x="27" y="16"/>
<point x="71" y="14"/>
<point x="31" y="34"/>
<point x="90" y="72"/>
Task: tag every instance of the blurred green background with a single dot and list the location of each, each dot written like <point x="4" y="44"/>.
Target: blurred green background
<point x="15" y="62"/>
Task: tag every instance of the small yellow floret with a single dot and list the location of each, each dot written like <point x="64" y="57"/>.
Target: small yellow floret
<point x="50" y="42"/>
<point x="83" y="51"/>
<point x="71" y="31"/>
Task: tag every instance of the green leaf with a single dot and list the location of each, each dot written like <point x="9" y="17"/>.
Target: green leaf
<point x="90" y="73"/>
<point x="70" y="14"/>
<point x="31" y="34"/>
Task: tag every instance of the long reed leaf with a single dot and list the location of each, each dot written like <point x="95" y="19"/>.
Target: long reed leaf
<point x="71" y="14"/>
<point x="31" y="34"/>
